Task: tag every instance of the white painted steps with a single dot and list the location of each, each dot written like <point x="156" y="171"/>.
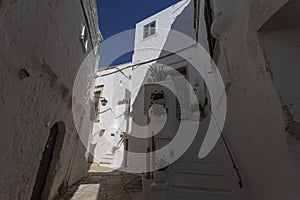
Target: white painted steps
<point x="191" y="178"/>
<point x="194" y="179"/>
<point x="199" y="180"/>
<point x="107" y="160"/>
<point x="185" y="193"/>
<point x="199" y="167"/>
<point x="112" y="160"/>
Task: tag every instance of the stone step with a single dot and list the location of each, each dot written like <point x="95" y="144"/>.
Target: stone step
<point x="200" y="167"/>
<point x="199" y="179"/>
<point x="105" y="163"/>
<point x="192" y="157"/>
<point x="107" y="158"/>
<point x="182" y="192"/>
<point x="202" y="189"/>
<point x="197" y="173"/>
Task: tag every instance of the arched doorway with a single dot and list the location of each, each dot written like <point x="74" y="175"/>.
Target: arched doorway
<point x="48" y="162"/>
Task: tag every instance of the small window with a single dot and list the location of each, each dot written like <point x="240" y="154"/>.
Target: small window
<point x="149" y="29"/>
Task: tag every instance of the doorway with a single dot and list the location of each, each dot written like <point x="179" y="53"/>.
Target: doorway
<point x="48" y="162"/>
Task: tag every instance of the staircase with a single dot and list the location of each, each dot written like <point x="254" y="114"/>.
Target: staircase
<point x="107" y="160"/>
<point x="199" y="180"/>
<point x="112" y="159"/>
<point x="191" y="178"/>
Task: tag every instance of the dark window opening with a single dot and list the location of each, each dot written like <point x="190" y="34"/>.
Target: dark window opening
<point x="149" y="29"/>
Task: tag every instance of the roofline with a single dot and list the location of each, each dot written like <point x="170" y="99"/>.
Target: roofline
<point x="113" y="67"/>
<point x="179" y="4"/>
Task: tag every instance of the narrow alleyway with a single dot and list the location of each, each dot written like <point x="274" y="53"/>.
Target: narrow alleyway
<point x="104" y="184"/>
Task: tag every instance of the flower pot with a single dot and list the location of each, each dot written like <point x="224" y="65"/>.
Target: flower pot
<point x="196" y="114"/>
<point x="146" y="187"/>
<point x="160" y="176"/>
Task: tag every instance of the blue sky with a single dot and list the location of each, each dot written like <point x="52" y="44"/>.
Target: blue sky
<point x="116" y="16"/>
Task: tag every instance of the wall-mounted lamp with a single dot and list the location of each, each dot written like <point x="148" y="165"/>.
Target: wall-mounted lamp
<point x="103" y="101"/>
<point x="84" y="37"/>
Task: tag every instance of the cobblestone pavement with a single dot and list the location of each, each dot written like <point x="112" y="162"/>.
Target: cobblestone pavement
<point x="103" y="184"/>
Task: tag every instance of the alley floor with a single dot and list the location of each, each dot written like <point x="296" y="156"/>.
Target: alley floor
<point x="103" y="184"/>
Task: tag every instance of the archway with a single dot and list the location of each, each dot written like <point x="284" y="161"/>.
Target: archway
<point x="46" y="172"/>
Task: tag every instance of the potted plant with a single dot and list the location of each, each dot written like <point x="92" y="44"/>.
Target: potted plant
<point x="158" y="103"/>
<point x="146" y="182"/>
<point x="196" y="109"/>
<point x="123" y="138"/>
<point x="199" y="109"/>
<point x="158" y="73"/>
<point x="160" y="175"/>
<point x="158" y="110"/>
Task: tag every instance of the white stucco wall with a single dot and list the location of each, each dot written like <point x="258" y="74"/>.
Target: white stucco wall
<point x="43" y="38"/>
<point x="151" y="47"/>
<point x="113" y="117"/>
<point x="146" y="50"/>
<point x="255" y="123"/>
<point x="282" y="53"/>
<point x="258" y="73"/>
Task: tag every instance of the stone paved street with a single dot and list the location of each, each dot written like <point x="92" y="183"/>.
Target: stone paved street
<point x="103" y="184"/>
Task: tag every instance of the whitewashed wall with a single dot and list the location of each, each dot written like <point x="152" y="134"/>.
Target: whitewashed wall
<point x="44" y="39"/>
<point x="113" y="117"/>
<point x="255" y="71"/>
<point x="150" y="48"/>
<point x="146" y="50"/>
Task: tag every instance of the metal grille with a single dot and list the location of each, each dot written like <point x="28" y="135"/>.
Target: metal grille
<point x="182" y="94"/>
<point x="182" y="99"/>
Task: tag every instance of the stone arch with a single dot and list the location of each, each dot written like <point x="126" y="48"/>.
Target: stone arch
<point x="50" y="158"/>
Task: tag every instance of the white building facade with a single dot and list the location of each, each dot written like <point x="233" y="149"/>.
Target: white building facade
<point x="253" y="44"/>
<point x="111" y="124"/>
<point x="126" y="83"/>
<point x="43" y="45"/>
<point x="255" y="51"/>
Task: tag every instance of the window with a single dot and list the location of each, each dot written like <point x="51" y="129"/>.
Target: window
<point x="149" y="29"/>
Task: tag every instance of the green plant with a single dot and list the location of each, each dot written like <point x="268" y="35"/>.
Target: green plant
<point x="123" y="138"/>
<point x="158" y="73"/>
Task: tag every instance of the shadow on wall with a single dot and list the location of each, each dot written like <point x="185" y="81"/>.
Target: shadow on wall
<point x="280" y="42"/>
